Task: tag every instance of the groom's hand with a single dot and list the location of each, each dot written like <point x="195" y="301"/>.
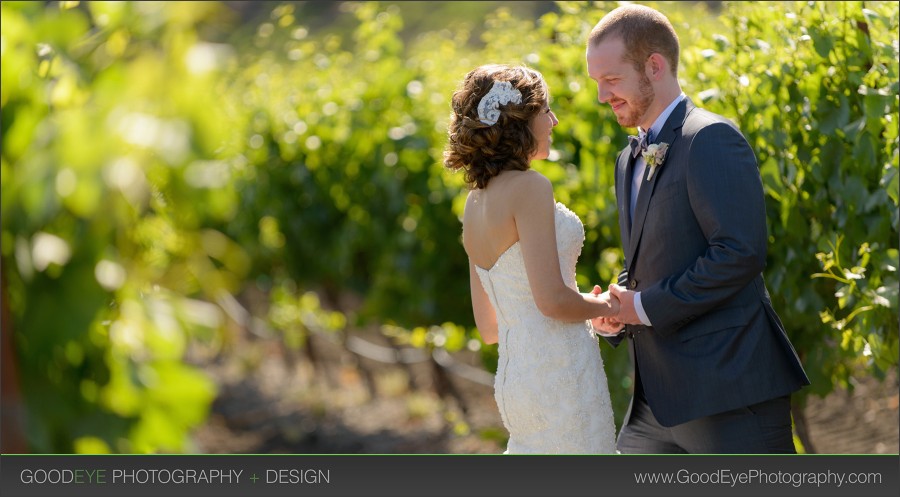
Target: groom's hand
<point x="627" y="314"/>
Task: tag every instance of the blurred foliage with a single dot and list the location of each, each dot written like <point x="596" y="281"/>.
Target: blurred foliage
<point x="112" y="183"/>
<point x="157" y="163"/>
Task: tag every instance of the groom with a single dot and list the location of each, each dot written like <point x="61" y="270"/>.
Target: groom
<point x="714" y="369"/>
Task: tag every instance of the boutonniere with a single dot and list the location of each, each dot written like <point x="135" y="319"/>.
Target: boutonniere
<point x="654" y="156"/>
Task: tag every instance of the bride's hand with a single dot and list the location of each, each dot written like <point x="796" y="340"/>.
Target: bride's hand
<point x="607" y="326"/>
<point x="611" y="301"/>
<point x="614" y="304"/>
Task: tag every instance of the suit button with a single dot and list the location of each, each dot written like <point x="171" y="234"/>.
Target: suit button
<point x="632" y="284"/>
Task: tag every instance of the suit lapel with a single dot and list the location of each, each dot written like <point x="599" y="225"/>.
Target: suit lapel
<point x="668" y="134"/>
<point x="624" y="171"/>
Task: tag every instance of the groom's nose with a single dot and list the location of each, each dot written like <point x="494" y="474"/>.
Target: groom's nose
<point x="603" y="94"/>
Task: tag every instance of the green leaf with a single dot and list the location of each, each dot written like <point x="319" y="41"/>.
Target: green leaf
<point x="889" y="181"/>
<point x="822" y="41"/>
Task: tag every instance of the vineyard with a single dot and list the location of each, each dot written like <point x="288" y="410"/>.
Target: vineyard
<point x="233" y="233"/>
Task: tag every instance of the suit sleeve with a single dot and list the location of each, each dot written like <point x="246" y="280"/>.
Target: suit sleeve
<point x="726" y="196"/>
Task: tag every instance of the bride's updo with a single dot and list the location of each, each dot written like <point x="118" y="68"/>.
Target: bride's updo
<point x="483" y="143"/>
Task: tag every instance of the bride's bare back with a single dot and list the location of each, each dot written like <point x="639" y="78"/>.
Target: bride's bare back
<point x="489" y="225"/>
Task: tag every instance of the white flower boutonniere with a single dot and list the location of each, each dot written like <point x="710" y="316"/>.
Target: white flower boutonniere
<point x="654" y="156"/>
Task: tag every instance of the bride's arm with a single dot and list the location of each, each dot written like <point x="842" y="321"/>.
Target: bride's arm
<point x="485" y="317"/>
<point x="535" y="216"/>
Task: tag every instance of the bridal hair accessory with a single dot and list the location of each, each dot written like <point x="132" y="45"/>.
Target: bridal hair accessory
<point x="654" y="156"/>
<point x="501" y="93"/>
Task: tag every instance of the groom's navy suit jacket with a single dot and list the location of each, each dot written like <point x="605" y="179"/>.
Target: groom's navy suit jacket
<point x="695" y="250"/>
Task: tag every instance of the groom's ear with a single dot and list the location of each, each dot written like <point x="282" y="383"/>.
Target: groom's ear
<point x="656" y="66"/>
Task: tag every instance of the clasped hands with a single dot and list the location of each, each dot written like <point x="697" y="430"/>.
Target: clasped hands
<point x="611" y="325"/>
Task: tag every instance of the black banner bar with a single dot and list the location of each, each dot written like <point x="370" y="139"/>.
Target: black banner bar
<point x="447" y="475"/>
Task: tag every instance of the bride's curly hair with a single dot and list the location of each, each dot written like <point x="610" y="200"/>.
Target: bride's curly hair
<point x="484" y="151"/>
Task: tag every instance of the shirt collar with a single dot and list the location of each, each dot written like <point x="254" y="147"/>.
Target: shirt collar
<point x="661" y="120"/>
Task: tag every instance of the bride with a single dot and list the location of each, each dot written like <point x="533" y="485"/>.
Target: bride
<point x="550" y="384"/>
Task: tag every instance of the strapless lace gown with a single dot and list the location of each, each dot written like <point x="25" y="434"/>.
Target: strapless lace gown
<point x="550" y="384"/>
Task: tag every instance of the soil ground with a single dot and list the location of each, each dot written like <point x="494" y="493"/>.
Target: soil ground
<point x="272" y="400"/>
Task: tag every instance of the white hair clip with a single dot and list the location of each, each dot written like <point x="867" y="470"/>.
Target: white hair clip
<point x="501" y="93"/>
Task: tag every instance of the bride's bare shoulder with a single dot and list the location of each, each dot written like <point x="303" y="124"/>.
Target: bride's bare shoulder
<point x="512" y="188"/>
<point x="530" y="185"/>
<point x="525" y="180"/>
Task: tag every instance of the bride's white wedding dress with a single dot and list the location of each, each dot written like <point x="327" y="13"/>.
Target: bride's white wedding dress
<point x="550" y="384"/>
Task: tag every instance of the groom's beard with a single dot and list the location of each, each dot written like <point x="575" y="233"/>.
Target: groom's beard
<point x="640" y="105"/>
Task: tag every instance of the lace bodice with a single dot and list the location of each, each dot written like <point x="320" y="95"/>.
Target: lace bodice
<point x="550" y="385"/>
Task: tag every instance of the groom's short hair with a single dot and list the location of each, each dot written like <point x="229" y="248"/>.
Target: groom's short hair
<point x="643" y="31"/>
